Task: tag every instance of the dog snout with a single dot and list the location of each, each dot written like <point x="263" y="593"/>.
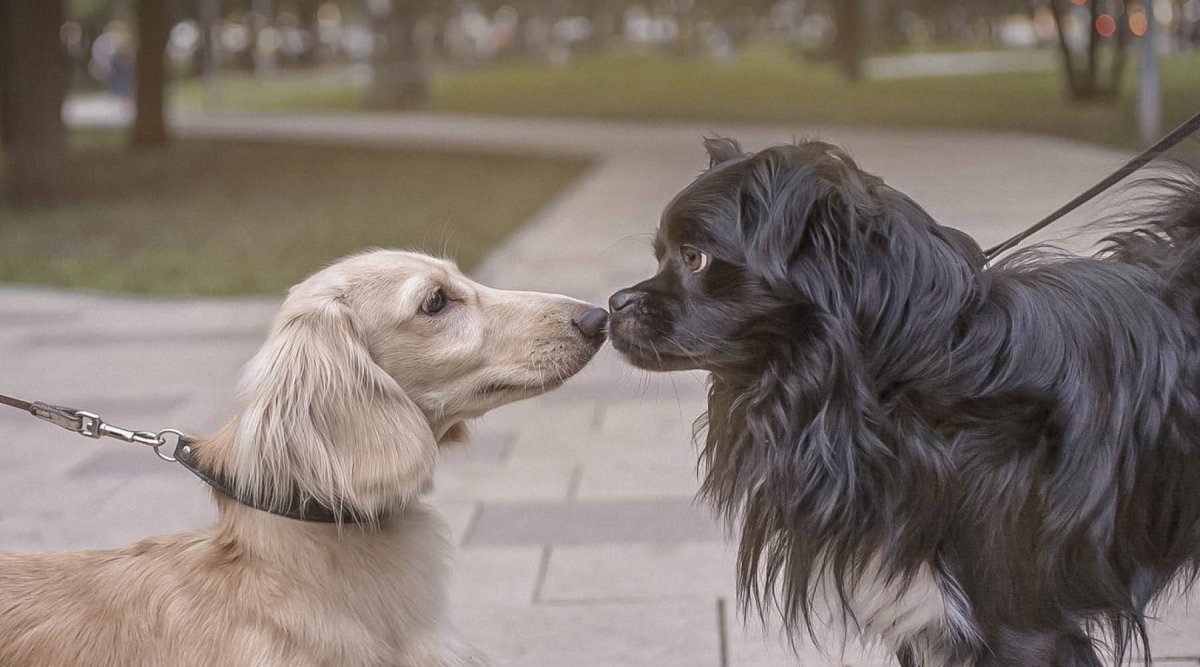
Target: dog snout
<point x="623" y="299"/>
<point x="591" y="321"/>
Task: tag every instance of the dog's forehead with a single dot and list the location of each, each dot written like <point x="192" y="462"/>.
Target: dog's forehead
<point x="379" y="271"/>
<point x="402" y="262"/>
<point x="395" y="267"/>
<point x="703" y="215"/>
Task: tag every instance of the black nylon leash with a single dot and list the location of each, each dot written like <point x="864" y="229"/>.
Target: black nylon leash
<point x="1176" y="136"/>
<point x="296" y="506"/>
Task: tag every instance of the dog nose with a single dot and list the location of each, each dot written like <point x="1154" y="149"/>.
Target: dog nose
<point x="591" y="322"/>
<point x="622" y="300"/>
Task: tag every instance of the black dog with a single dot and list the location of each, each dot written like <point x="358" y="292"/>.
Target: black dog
<point x="981" y="465"/>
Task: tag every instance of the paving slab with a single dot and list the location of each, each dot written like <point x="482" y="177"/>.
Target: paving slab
<point x="500" y="576"/>
<point x="641" y="571"/>
<point x="544" y="480"/>
<point x="459" y="516"/>
<point x="654" y="473"/>
<point x="574" y="523"/>
<point x="653" y="634"/>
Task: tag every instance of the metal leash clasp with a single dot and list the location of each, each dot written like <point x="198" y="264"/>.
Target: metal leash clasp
<point x="93" y="426"/>
<point x="58" y="415"/>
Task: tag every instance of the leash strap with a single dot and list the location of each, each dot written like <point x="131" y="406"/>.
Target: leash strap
<point x="298" y="506"/>
<point x="1176" y="136"/>
<point x="16" y="403"/>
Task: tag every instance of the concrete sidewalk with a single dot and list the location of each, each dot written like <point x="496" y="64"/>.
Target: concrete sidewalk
<point x="579" y="543"/>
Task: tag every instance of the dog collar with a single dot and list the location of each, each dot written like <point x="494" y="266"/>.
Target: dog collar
<point x="297" y="506"/>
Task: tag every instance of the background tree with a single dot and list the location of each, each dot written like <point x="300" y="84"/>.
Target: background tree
<point x="1086" y="74"/>
<point x="399" y="67"/>
<point x="850" y="45"/>
<point x="153" y="30"/>
<point x="34" y="74"/>
<point x="306" y="12"/>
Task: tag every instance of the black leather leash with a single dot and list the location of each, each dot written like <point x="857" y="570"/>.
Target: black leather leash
<point x="296" y="506"/>
<point x="1176" y="136"/>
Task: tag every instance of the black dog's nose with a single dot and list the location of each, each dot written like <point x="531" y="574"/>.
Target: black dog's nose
<point x="591" y="322"/>
<point x="622" y="300"/>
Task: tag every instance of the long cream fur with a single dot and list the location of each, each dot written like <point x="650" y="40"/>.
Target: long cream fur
<point x="347" y="402"/>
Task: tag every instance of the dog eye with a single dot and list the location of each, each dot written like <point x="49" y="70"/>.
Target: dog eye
<point x="695" y="260"/>
<point x="434" y="303"/>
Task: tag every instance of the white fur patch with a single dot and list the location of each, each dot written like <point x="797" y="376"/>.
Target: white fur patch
<point x="925" y="613"/>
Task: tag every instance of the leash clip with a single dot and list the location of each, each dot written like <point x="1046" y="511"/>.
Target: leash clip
<point x="67" y="418"/>
<point x="91" y="425"/>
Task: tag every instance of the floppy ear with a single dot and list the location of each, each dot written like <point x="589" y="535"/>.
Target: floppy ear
<point x="810" y="195"/>
<point x="722" y="149"/>
<point x="323" y="419"/>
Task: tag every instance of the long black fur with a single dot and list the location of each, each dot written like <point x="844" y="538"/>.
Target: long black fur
<point x="881" y="398"/>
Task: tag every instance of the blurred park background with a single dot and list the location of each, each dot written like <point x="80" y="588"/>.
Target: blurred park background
<point x="185" y="215"/>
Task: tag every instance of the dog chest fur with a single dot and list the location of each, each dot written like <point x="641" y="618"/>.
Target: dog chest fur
<point x="924" y="612"/>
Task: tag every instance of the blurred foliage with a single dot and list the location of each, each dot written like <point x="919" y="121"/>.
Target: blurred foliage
<point x="84" y="9"/>
<point x="234" y="218"/>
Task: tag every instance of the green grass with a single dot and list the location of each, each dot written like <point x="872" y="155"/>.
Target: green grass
<point x="212" y="218"/>
<point x="322" y="90"/>
<point x="764" y="85"/>
<point x="767" y="86"/>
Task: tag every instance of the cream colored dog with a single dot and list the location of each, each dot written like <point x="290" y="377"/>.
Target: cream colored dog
<point x="370" y="364"/>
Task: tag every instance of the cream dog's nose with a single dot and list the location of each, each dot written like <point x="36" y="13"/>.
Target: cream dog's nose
<point x="591" y="322"/>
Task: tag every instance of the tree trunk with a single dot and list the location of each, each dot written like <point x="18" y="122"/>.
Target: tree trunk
<point x="154" y="27"/>
<point x="306" y="11"/>
<point x="1086" y="80"/>
<point x="1092" y="79"/>
<point x="400" y="77"/>
<point x="6" y="63"/>
<point x="851" y="44"/>
<point x="262" y="15"/>
<point x="604" y="25"/>
<point x="34" y="73"/>
<point x="209" y="15"/>
<point x="1117" y="73"/>
<point x="1073" y="85"/>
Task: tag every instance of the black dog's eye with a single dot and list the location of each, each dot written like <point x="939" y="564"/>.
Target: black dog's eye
<point x="695" y="260"/>
<point x="434" y="303"/>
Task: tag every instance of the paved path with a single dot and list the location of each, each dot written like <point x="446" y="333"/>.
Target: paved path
<point x="579" y="544"/>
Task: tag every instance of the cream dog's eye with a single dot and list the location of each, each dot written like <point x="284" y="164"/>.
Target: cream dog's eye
<point x="434" y="303"/>
<point x="695" y="260"/>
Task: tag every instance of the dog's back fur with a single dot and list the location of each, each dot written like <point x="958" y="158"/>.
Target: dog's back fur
<point x="1092" y="366"/>
<point x="255" y="590"/>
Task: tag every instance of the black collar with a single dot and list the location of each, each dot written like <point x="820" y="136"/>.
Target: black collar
<point x="298" y="506"/>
